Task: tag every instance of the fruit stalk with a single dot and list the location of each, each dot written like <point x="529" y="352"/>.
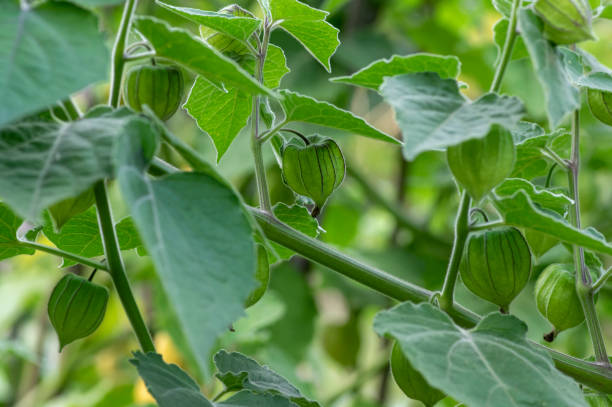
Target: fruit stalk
<point x="462" y="229"/>
<point x="256" y="145"/>
<point x="508" y="47"/>
<point x="584" y="283"/>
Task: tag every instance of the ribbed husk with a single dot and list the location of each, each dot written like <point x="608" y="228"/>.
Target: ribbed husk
<point x="410" y="381"/>
<point x="76" y="308"/>
<point x="556" y="297"/>
<point x="496" y="265"/>
<point x="158" y="86"/>
<point x="479" y="165"/>
<point x="315" y="170"/>
<point x="600" y="104"/>
<point x="566" y="21"/>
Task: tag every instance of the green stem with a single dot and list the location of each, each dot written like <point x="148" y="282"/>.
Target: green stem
<point x="394" y="210"/>
<point x="260" y="168"/>
<point x="66" y="255"/>
<point x="369" y="276"/>
<point x="602" y="280"/>
<point x="112" y="250"/>
<point x="265" y="136"/>
<point x="462" y="229"/>
<point x="118" y="61"/>
<point x="593" y="375"/>
<point x="506" y="55"/>
<point x="117" y="269"/>
<point x="584" y="283"/>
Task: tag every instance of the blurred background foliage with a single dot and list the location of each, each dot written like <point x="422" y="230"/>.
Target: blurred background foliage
<point x="312" y="326"/>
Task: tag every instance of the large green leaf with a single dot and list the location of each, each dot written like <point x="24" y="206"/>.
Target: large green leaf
<point x="490" y="365"/>
<point x="168" y="384"/>
<point x="238" y="371"/>
<point x="301" y="108"/>
<point x="546" y="199"/>
<point x="519" y="210"/>
<point x="63" y="160"/>
<point x="433" y="115"/>
<point x="562" y="97"/>
<point x="223" y="113"/>
<point x="42" y="54"/>
<point x="181" y="47"/>
<point x="199" y="238"/>
<point x="220" y="114"/>
<point x="308" y="26"/>
<point x="9" y="223"/>
<point x="238" y="27"/>
<point x="81" y="235"/>
<point x="372" y="76"/>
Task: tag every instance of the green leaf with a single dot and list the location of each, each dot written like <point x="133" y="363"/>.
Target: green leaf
<point x="597" y="80"/>
<point x="62" y="211"/>
<point x="168" y="384"/>
<point x="299" y="219"/>
<point x="181" y="47"/>
<point x="195" y="230"/>
<point x="561" y="96"/>
<point x="490" y="365"/>
<point x="246" y="398"/>
<point x="301" y="108"/>
<point x="546" y="199"/>
<point x="520" y="211"/>
<point x="308" y="26"/>
<point x="219" y="114"/>
<point x="434" y="115"/>
<point x="9" y="223"/>
<point x="499" y="37"/>
<point x="238" y="27"/>
<point x="41" y="58"/>
<point x="275" y="67"/>
<point x="504" y="7"/>
<point x="63" y="159"/>
<point x="222" y="114"/>
<point x="81" y="235"/>
<point x="372" y="76"/>
<point x="238" y="371"/>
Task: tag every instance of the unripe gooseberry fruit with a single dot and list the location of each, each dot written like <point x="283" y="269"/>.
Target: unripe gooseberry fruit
<point x="343" y="341"/>
<point x="410" y="381"/>
<point x="600" y="103"/>
<point x="496" y="265"/>
<point x="76" y="308"/>
<point x="557" y="300"/>
<point x="262" y="277"/>
<point x="313" y="167"/>
<point x="479" y="165"/>
<point x="158" y="86"/>
<point x="566" y="21"/>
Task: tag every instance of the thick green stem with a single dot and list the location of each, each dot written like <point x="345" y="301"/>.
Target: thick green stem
<point x="117" y="269"/>
<point x="256" y="146"/>
<point x="112" y="250"/>
<point x="584" y="283"/>
<point x="593" y="375"/>
<point x="118" y="61"/>
<point x="506" y="55"/>
<point x="462" y="229"/>
<point x="63" y="254"/>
